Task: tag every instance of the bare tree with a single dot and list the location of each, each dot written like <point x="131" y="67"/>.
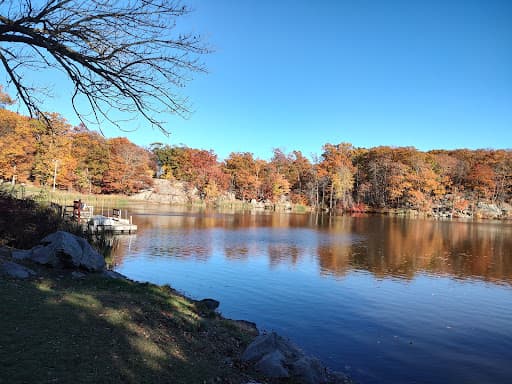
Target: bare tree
<point x="119" y="54"/>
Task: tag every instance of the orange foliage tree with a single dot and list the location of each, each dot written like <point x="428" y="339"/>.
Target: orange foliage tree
<point x="93" y="155"/>
<point x="245" y="172"/>
<point x="17" y="146"/>
<point x="129" y="169"/>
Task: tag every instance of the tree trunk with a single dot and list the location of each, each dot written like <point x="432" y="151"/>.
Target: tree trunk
<point x="330" y="199"/>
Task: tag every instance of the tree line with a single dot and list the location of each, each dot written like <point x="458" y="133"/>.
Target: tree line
<point x="348" y="178"/>
<point x="74" y="157"/>
<point x="341" y="177"/>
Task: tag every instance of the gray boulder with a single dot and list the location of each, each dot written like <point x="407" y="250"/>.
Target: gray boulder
<point x="211" y="304"/>
<point x="15" y="270"/>
<point x="267" y="343"/>
<point x="21" y="254"/>
<point x="63" y="249"/>
<point x="310" y="370"/>
<point x="276" y="357"/>
<point x="272" y="365"/>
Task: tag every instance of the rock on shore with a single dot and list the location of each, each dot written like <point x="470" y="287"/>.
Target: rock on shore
<point x="276" y="357"/>
<point x="63" y="249"/>
<point x="15" y="270"/>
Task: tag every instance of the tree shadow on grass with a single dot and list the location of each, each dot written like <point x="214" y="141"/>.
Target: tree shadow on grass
<point x="102" y="331"/>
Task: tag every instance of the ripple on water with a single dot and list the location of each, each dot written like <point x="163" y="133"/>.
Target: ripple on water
<point x="383" y="298"/>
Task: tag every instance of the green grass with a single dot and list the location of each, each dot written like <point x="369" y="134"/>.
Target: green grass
<point x="95" y="330"/>
<point x="300" y="208"/>
<point x="47" y="194"/>
<point x="54" y="329"/>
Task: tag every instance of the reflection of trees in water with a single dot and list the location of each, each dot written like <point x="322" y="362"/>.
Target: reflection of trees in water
<point x="334" y="259"/>
<point x="401" y="247"/>
<point x="237" y="252"/>
<point x="385" y="246"/>
<point x="283" y="253"/>
<point x="158" y="242"/>
<point x="217" y="220"/>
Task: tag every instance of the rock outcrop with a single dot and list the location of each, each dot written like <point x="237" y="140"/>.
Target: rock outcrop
<point x="166" y="191"/>
<point x="276" y="357"/>
<point x="63" y="249"/>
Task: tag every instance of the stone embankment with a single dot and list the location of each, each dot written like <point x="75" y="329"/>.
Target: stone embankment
<point x="480" y="210"/>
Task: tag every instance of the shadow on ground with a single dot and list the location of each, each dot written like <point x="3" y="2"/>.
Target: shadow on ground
<point x="58" y="330"/>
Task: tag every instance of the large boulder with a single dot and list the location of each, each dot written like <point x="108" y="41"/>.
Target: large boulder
<point x="276" y="357"/>
<point x="64" y="249"/>
<point x="266" y="344"/>
<point x="273" y="365"/>
<point x="15" y="270"/>
<point x="310" y="370"/>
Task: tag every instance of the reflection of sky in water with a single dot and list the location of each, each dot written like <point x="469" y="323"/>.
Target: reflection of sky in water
<point x="388" y="300"/>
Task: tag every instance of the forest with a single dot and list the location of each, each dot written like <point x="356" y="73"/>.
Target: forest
<point x="342" y="177"/>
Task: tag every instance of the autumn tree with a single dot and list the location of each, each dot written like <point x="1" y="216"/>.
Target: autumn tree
<point x="296" y="170"/>
<point x="198" y="167"/>
<point x="54" y="156"/>
<point x="503" y="175"/>
<point x="337" y="168"/>
<point x="17" y="146"/>
<point x="420" y="183"/>
<point x="173" y="162"/>
<point x="118" y="54"/>
<point x="205" y="173"/>
<point x="129" y="169"/>
<point x="245" y="172"/>
<point x="92" y="153"/>
<point x="481" y="179"/>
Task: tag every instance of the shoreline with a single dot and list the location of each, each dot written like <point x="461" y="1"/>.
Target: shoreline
<point x="443" y="211"/>
<point x="142" y="306"/>
<point x="66" y="310"/>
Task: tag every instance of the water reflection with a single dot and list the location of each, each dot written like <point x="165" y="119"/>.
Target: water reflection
<point x="384" y="246"/>
<point x="388" y="297"/>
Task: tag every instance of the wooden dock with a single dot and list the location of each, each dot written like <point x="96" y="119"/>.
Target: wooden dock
<point x="113" y="228"/>
<point x="84" y="214"/>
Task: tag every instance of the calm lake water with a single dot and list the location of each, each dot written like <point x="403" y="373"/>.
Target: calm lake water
<point x="386" y="300"/>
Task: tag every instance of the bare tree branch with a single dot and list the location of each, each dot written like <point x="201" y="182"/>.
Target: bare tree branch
<point x="119" y="54"/>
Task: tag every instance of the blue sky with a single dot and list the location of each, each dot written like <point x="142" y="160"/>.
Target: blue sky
<point x="299" y="74"/>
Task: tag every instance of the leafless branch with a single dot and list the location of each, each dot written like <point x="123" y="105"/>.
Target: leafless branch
<point x="119" y="54"/>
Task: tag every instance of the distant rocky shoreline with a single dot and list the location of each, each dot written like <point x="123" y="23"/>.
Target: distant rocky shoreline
<point x="177" y="193"/>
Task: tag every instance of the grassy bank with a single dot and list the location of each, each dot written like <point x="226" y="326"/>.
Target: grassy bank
<point x="45" y="195"/>
<point x="98" y="330"/>
<point x="56" y="329"/>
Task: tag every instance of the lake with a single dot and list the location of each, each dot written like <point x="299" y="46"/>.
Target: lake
<point x="383" y="299"/>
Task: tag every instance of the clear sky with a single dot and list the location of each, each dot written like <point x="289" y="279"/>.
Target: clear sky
<point x="298" y="74"/>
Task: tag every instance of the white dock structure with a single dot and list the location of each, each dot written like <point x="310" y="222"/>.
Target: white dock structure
<point x="101" y="223"/>
<point x="114" y="224"/>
